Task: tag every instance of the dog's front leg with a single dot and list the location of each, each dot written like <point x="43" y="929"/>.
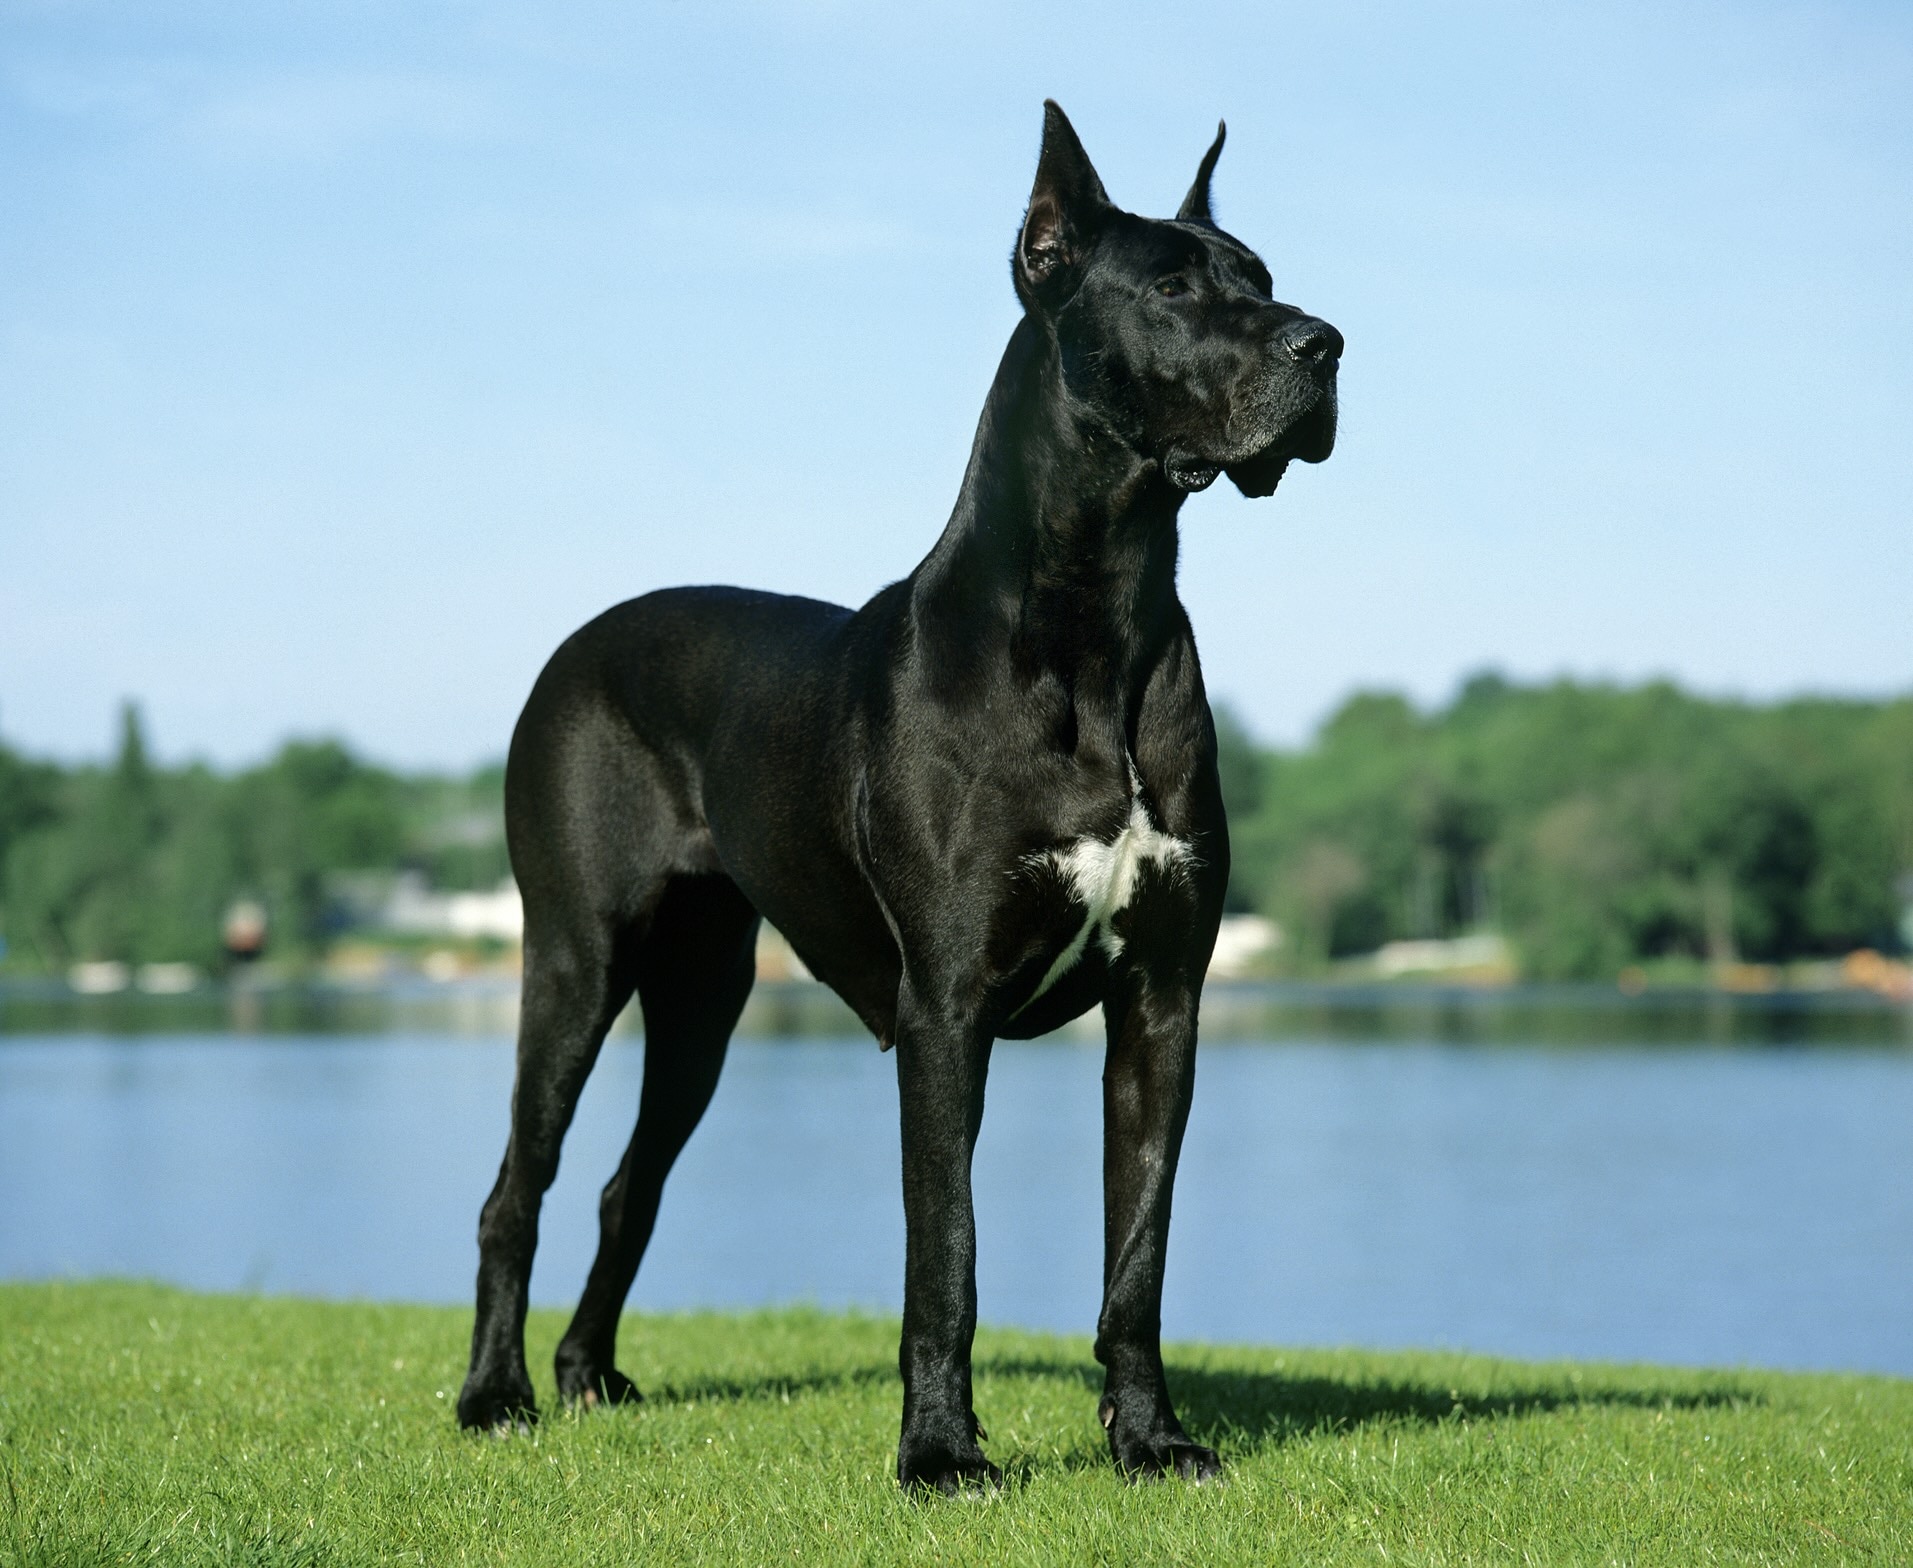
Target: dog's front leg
<point x="1148" y="1078"/>
<point x="941" y="1065"/>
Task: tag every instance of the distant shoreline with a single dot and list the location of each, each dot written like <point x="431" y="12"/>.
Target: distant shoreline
<point x="1541" y="1013"/>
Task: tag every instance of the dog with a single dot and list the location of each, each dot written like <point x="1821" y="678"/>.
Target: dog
<point x="977" y="807"/>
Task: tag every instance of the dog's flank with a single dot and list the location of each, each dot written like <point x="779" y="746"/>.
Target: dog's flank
<point x="978" y="806"/>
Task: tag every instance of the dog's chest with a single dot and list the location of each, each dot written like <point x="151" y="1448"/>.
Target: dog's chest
<point x="1101" y="876"/>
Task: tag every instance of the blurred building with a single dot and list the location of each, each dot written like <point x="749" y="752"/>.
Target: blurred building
<point x="414" y="908"/>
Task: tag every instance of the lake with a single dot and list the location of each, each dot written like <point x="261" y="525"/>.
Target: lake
<point x="1350" y="1182"/>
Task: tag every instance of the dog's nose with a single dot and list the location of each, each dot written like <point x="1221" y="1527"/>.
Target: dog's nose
<point x="1311" y="342"/>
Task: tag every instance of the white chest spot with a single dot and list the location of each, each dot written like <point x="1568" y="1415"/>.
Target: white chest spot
<point x="1102" y="878"/>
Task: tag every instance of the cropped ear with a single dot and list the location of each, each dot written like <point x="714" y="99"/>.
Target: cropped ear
<point x="1067" y="206"/>
<point x="1195" y="206"/>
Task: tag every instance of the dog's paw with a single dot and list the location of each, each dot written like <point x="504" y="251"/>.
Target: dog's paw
<point x="589" y="1389"/>
<point x="499" y="1407"/>
<point x="953" y="1476"/>
<point x="1172" y="1456"/>
<point x="954" y="1469"/>
<point x="1149" y="1455"/>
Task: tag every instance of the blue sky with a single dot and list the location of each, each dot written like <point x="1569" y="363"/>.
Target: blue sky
<point x="352" y="354"/>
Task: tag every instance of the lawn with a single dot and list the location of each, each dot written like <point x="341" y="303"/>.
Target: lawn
<point x="145" y="1425"/>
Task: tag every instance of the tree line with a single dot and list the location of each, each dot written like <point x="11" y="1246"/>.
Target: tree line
<point x="142" y="863"/>
<point x="1593" y="826"/>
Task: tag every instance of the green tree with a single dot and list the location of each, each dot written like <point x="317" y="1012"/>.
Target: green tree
<point x="1596" y="825"/>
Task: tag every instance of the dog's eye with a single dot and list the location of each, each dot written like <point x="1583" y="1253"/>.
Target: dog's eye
<point x="1172" y="288"/>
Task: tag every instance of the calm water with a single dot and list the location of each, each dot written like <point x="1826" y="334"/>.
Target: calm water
<point x="1698" y="1204"/>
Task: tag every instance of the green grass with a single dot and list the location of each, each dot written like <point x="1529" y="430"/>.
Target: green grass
<point x="146" y="1425"/>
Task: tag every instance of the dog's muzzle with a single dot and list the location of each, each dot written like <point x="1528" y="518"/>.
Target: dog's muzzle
<point x="1310" y="438"/>
<point x="1308" y="354"/>
<point x="1287" y="412"/>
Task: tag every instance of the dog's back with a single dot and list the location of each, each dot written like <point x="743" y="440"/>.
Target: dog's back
<point x="677" y="735"/>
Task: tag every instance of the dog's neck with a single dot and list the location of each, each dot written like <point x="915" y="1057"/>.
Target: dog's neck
<point x="1061" y="549"/>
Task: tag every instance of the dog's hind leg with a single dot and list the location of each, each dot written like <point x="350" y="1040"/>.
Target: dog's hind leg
<point x="577" y="980"/>
<point x="694" y="971"/>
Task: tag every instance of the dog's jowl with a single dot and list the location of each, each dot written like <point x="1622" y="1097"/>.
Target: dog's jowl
<point x="977" y="807"/>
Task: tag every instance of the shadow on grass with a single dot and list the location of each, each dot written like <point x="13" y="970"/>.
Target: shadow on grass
<point x="1270" y="1408"/>
<point x="1258" y="1409"/>
<point x="1261" y="1409"/>
<point x="774" y="1385"/>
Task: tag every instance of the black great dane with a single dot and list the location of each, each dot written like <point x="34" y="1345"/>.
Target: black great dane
<point x="979" y="806"/>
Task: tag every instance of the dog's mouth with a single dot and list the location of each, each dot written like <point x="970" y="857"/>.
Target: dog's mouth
<point x="1189" y="473"/>
<point x="1310" y="438"/>
<point x="1259" y="475"/>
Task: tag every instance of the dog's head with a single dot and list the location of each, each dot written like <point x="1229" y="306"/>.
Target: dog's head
<point x="1169" y="330"/>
